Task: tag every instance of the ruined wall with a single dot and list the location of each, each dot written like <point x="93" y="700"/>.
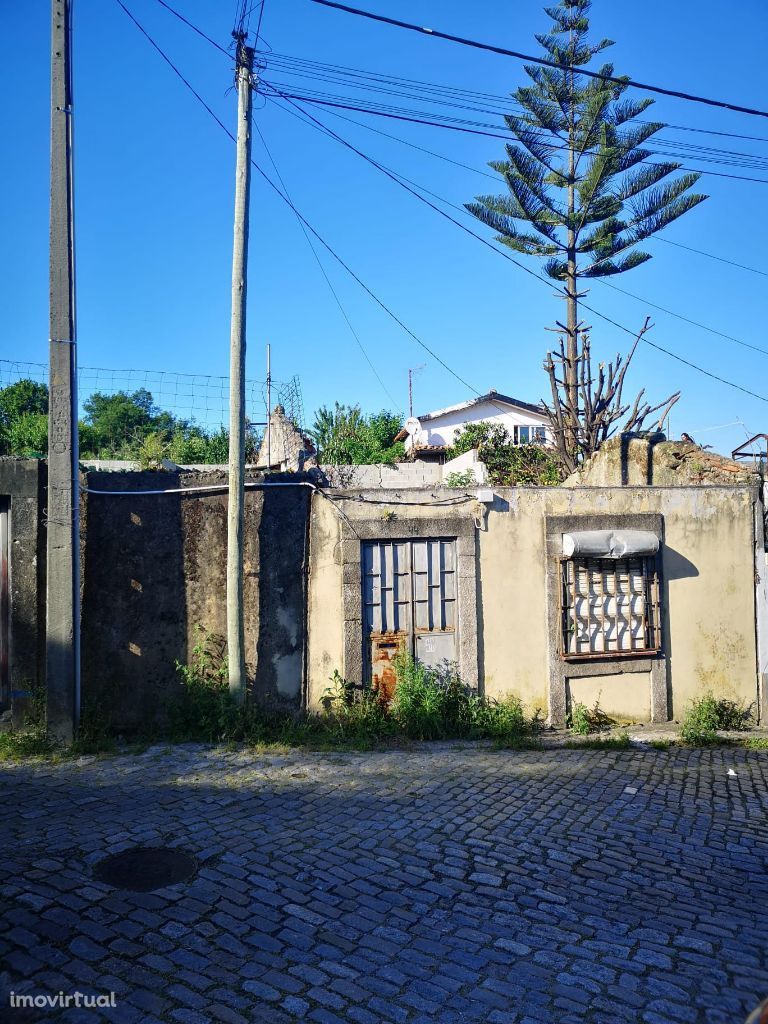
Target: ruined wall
<point x="154" y="582"/>
<point x="22" y="481"/>
<point x="708" y="568"/>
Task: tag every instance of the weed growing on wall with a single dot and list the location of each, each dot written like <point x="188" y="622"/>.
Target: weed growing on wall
<point x="31" y="740"/>
<point x="707" y="715"/>
<point x="584" y="720"/>
<point x="431" y="704"/>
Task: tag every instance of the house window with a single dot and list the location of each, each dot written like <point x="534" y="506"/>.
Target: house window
<point x="610" y="607"/>
<point x="526" y="435"/>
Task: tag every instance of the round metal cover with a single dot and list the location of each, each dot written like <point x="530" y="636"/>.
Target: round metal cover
<point x="145" y="868"/>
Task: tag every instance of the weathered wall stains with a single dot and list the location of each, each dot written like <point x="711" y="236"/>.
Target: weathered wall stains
<point x="155" y="581"/>
<point x="23" y="482"/>
<point x="708" y="577"/>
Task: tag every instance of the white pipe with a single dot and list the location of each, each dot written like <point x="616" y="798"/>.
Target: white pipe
<point x="211" y="487"/>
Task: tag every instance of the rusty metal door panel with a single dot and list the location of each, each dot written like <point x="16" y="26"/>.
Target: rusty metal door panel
<point x="4" y="599"/>
<point x="383" y="648"/>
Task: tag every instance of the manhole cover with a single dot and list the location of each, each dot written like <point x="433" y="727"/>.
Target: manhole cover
<point x="144" y="869"/>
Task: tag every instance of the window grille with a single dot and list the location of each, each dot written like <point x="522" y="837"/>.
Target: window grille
<point x="610" y="607"/>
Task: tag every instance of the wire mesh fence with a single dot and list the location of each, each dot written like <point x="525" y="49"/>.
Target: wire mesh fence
<point x="120" y="409"/>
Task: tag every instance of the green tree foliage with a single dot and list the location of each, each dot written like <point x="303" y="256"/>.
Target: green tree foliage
<point x="344" y="436"/>
<point x="508" y="464"/>
<point x="581" y="194"/>
<point x="125" y="419"/>
<point x="24" y="419"/>
<point x="23" y="397"/>
<point x="578" y="174"/>
<point x="122" y="425"/>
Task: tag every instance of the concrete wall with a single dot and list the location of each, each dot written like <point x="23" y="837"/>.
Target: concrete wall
<point x="22" y="481"/>
<point x="708" y="566"/>
<point x="154" y="570"/>
<point x="155" y="577"/>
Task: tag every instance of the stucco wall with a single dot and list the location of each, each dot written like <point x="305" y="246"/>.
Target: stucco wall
<point x="708" y="588"/>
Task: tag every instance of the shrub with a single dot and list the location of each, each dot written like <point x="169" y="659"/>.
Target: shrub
<point x="508" y="464"/>
<point x="708" y="714"/>
<point x="465" y="479"/>
<point x="584" y="720"/>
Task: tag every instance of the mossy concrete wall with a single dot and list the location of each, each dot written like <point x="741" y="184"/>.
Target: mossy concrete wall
<point x="22" y="483"/>
<point x="154" y="583"/>
<point x="708" y="589"/>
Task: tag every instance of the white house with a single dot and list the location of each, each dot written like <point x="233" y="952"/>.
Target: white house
<point x="428" y="436"/>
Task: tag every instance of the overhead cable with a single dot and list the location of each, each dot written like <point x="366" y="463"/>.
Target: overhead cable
<point x="623" y="80"/>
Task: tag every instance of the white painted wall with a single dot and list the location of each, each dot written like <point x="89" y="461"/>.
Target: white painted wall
<point x="442" y="429"/>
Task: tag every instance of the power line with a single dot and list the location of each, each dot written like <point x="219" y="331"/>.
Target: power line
<point x="672" y="147"/>
<point x="365" y="287"/>
<point x="394" y="177"/>
<point x="712" y="256"/>
<point x="699" y="152"/>
<point x="495" y="177"/>
<point x="301" y="217"/>
<point x="625" y="81"/>
<point x="504" y="107"/>
<point x="354" y="333"/>
<point x="685" y="319"/>
<point x="343" y="69"/>
<point x="418" y="118"/>
<point x="194" y="28"/>
<point x="258" y="29"/>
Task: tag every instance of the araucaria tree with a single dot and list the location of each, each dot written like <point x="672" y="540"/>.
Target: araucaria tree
<point x="583" y="192"/>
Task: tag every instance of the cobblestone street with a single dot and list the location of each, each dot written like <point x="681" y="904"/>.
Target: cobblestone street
<point x="443" y="884"/>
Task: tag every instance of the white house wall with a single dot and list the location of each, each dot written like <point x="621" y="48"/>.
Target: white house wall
<point x="442" y="429"/>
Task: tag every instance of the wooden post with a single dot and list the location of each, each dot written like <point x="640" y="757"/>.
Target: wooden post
<point x="63" y="554"/>
<point x="235" y="614"/>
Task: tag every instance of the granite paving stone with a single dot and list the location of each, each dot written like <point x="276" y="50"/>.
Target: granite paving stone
<point x="444" y="883"/>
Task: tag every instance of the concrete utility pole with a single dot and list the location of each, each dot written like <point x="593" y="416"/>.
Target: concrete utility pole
<point x="235" y="615"/>
<point x="63" y="558"/>
<point x="269" y="406"/>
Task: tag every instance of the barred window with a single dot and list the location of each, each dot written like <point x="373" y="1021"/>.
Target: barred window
<point x="610" y="607"/>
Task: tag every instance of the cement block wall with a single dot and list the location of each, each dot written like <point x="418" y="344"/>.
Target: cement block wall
<point x="154" y="581"/>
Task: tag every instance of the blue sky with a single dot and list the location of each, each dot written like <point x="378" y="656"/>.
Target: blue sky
<point x="154" y="179"/>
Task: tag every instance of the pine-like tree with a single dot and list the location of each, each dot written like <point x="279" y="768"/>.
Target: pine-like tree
<point x="582" y="194"/>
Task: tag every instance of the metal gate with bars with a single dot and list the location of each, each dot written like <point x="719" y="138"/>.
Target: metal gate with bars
<point x="409" y="600"/>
